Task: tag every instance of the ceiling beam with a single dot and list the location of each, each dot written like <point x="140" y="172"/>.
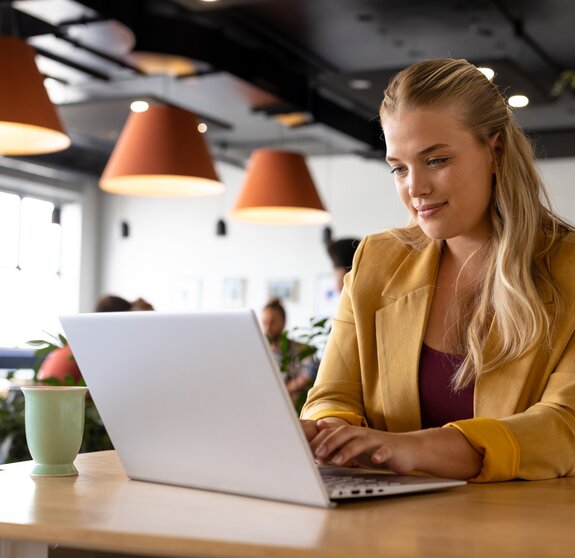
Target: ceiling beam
<point x="217" y="43"/>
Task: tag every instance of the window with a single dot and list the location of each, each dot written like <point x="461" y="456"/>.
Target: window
<point x="30" y="278"/>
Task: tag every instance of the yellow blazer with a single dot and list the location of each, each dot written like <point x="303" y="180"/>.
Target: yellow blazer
<point x="524" y="412"/>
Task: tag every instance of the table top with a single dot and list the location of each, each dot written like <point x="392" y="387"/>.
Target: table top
<point x="102" y="509"/>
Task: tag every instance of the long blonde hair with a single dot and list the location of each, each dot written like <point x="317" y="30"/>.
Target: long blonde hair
<point x="524" y="228"/>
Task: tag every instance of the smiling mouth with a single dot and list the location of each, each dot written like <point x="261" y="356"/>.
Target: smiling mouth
<point x="428" y="210"/>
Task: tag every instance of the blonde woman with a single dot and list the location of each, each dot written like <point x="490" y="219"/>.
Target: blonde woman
<point x="452" y="351"/>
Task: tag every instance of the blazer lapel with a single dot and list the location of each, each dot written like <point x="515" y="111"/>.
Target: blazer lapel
<point x="400" y="327"/>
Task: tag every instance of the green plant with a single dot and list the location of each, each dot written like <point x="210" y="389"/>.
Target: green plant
<point x="309" y="343"/>
<point x="12" y="431"/>
<point x="12" y="434"/>
<point x="45" y="347"/>
<point x="566" y="80"/>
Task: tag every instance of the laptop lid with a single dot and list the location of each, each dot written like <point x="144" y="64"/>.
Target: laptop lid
<point x="196" y="400"/>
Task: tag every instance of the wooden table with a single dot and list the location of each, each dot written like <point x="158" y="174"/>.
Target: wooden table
<point x="102" y="510"/>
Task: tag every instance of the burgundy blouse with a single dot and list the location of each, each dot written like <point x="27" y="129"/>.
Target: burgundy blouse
<point x="439" y="403"/>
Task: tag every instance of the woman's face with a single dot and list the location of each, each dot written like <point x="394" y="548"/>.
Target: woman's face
<point x="442" y="173"/>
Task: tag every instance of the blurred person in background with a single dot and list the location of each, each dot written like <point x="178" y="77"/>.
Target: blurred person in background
<point x="290" y="356"/>
<point x="341" y="253"/>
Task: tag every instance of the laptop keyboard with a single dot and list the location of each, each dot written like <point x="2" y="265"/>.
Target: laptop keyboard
<point x="356" y="486"/>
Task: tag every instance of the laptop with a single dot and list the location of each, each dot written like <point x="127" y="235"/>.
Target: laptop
<point x="197" y="400"/>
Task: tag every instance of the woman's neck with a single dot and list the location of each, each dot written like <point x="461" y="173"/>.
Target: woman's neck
<point x="455" y="284"/>
<point x="463" y="254"/>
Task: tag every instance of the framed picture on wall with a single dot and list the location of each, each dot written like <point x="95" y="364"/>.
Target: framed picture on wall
<point x="234" y="292"/>
<point x="284" y="289"/>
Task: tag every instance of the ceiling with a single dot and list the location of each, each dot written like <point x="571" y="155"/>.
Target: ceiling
<point x="248" y="61"/>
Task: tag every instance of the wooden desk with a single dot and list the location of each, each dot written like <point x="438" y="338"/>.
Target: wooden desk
<point x="102" y="510"/>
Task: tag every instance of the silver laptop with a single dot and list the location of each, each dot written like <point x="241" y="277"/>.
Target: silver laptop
<point x="196" y="400"/>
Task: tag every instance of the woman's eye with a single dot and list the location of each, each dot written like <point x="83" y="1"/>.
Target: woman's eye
<point x="398" y="170"/>
<point x="436" y="162"/>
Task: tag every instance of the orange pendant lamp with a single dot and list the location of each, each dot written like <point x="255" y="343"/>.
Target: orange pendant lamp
<point x="161" y="153"/>
<point x="29" y="123"/>
<point x="279" y="190"/>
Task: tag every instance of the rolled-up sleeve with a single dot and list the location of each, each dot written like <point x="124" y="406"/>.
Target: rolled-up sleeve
<point x="538" y="443"/>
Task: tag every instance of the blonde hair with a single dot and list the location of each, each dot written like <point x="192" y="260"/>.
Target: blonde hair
<point x="508" y="293"/>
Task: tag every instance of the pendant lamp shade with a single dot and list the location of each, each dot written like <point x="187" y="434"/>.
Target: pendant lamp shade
<point x="279" y="190"/>
<point x="161" y="153"/>
<point x="29" y="123"/>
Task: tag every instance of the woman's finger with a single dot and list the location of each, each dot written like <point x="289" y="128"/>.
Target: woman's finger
<point x="338" y="438"/>
<point x="309" y="428"/>
<point x="359" y="443"/>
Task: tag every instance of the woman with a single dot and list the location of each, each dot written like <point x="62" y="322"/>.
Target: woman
<point x="452" y="349"/>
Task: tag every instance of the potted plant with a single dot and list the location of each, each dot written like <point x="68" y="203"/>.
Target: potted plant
<point x="310" y="341"/>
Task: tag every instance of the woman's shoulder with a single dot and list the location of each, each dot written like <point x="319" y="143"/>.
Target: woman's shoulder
<point x="563" y="253"/>
<point x="560" y="262"/>
<point x="391" y="239"/>
<point x="382" y="253"/>
<point x="568" y="239"/>
<point x="393" y="243"/>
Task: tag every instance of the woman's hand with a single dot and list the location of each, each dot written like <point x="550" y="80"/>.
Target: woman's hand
<point x="356" y="445"/>
<point x="311" y="429"/>
<point x="442" y="452"/>
<point x="316" y="431"/>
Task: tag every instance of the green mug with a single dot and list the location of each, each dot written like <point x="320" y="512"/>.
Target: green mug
<point x="54" y="421"/>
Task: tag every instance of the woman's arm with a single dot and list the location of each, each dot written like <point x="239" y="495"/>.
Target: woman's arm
<point x="338" y="389"/>
<point x="443" y="452"/>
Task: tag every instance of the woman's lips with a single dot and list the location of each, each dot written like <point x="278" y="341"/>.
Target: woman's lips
<point x="429" y="209"/>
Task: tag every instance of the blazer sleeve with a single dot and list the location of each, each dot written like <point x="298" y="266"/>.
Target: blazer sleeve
<point x="538" y="443"/>
<point x="546" y="431"/>
<point x="338" y="388"/>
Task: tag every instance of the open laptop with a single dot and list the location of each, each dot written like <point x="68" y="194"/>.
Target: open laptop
<point x="197" y="400"/>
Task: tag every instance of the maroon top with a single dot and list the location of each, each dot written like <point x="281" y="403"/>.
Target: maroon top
<point x="439" y="403"/>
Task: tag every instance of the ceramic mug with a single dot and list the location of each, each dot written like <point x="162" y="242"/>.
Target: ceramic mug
<point x="54" y="421"/>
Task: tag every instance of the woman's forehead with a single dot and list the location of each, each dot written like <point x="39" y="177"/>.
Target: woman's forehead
<point x="428" y="121"/>
<point x="424" y="131"/>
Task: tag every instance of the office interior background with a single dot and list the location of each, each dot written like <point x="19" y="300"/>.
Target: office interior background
<point x="246" y="63"/>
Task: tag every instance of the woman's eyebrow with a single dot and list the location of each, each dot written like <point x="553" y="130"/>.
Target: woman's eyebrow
<point x="425" y="151"/>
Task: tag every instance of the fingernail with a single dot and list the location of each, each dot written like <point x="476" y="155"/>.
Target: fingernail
<point x="320" y="451"/>
<point x="336" y="460"/>
<point x="377" y="458"/>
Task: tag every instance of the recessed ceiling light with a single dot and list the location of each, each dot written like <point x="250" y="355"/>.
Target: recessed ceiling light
<point x="139" y="106"/>
<point x="487" y="72"/>
<point x="293" y="119"/>
<point x="360" y="84"/>
<point x="518" y="101"/>
<point x="157" y="63"/>
<point x="202" y="127"/>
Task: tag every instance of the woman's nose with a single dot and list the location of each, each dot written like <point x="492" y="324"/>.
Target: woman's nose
<point x="418" y="186"/>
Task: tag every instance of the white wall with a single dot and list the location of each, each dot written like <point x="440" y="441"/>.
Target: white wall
<point x="172" y="251"/>
<point x="172" y="244"/>
<point x="559" y="177"/>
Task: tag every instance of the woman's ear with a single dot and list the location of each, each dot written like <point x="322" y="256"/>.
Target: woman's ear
<point x="496" y="147"/>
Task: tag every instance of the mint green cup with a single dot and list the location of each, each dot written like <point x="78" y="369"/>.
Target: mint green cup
<point x="54" y="420"/>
